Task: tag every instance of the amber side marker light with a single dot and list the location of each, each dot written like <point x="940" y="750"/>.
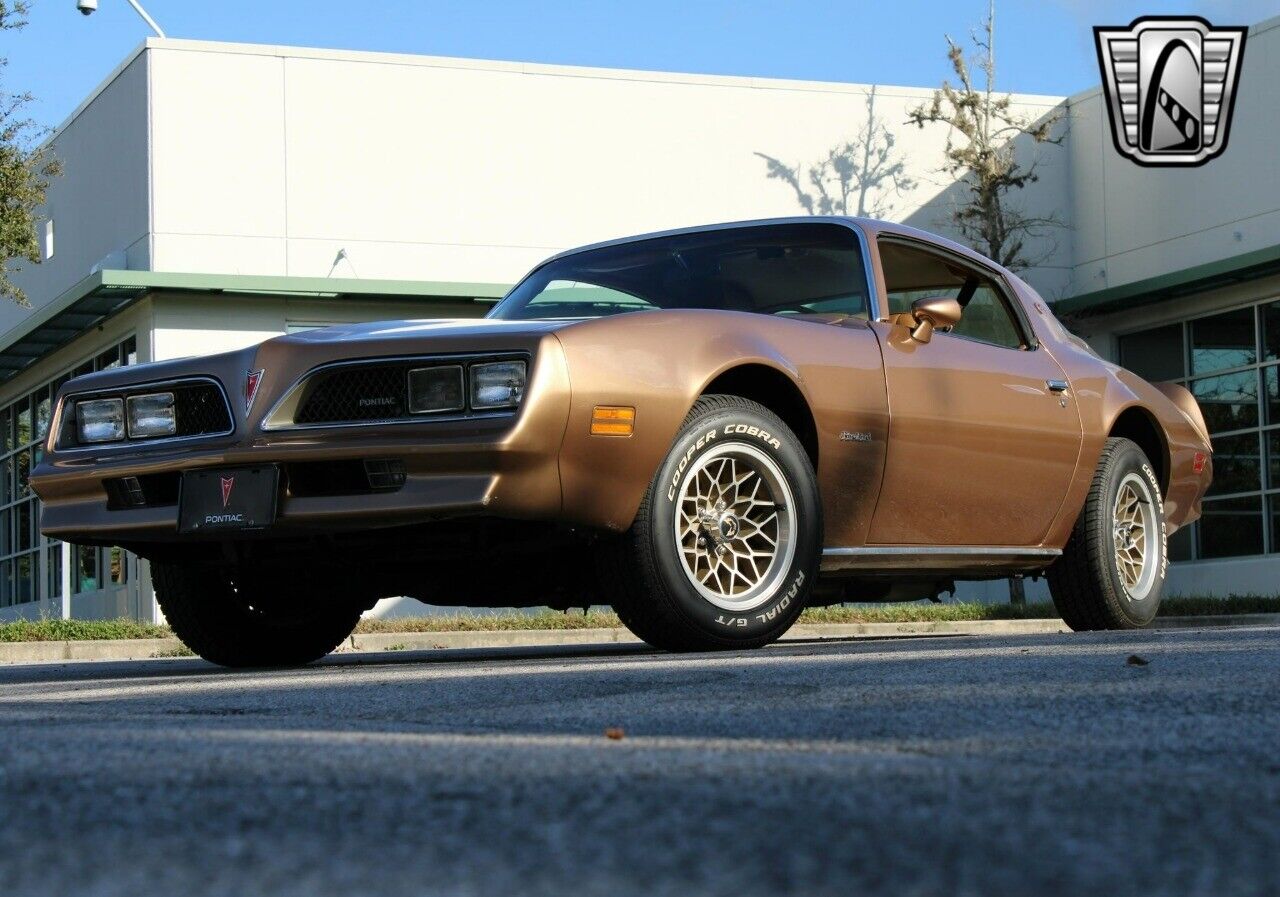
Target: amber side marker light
<point x="613" y="420"/>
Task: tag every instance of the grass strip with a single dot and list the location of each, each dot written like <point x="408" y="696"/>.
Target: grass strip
<point x="95" y="630"/>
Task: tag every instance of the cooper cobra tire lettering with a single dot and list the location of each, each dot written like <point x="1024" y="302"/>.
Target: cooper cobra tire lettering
<point x="748" y="430"/>
<point x="1164" y="526"/>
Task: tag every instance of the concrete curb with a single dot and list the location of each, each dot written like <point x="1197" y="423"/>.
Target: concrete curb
<point x="148" y="649"/>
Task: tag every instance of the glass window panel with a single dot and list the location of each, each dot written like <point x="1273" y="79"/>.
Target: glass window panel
<point x="1154" y="354"/>
<point x="1223" y="341"/>
<point x="1275" y="522"/>
<point x="25" y="567"/>
<point x="117" y="569"/>
<point x="1229" y="402"/>
<point x="6" y="583"/>
<point x="23" y="459"/>
<point x="6" y="423"/>
<point x="23" y="525"/>
<point x="43" y="413"/>
<point x="85" y="575"/>
<point x="1273" y="459"/>
<point x="1180" y="544"/>
<point x="1231" y="527"/>
<point x="6" y="530"/>
<point x="6" y="481"/>
<point x="130" y="350"/>
<point x="1237" y="464"/>
<point x="24" y="421"/>
<point x="1271" y="330"/>
<point x="1272" y="378"/>
<point x="109" y="359"/>
<point x="53" y="565"/>
<point x="987" y="319"/>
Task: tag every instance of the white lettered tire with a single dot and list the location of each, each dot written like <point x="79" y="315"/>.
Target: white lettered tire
<point x="1112" y="571"/>
<point x="725" y="547"/>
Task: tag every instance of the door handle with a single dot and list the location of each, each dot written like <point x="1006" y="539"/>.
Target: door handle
<point x="1057" y="385"/>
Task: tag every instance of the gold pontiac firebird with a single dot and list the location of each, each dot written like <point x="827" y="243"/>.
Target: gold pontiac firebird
<point x="709" y="429"/>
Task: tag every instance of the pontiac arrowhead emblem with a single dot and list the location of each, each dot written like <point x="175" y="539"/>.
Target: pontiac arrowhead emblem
<point x="227" y="484"/>
<point x="1170" y="86"/>
<point x="251" y="383"/>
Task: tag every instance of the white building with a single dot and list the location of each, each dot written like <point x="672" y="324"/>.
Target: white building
<point x="215" y="195"/>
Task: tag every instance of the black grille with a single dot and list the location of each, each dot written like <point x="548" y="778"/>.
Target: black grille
<point x="199" y="406"/>
<point x="358" y="477"/>
<point x="148" y="490"/>
<point x="366" y="392"/>
<point x="200" y="410"/>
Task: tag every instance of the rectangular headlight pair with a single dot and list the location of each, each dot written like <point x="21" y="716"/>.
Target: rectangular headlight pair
<point x="494" y="385"/>
<point x="147" y="416"/>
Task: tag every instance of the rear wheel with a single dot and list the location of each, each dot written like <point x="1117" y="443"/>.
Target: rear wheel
<point x="241" y="623"/>
<point x="1112" y="571"/>
<point x="725" y="547"/>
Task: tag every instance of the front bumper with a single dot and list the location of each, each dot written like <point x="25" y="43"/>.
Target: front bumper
<point x="502" y="466"/>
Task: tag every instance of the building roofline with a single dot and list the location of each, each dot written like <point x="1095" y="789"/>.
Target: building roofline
<point x="106" y="293"/>
<point x="572" y="71"/>
<point x="1170" y="285"/>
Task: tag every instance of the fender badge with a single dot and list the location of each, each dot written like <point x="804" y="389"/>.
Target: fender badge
<point x="860" y="436"/>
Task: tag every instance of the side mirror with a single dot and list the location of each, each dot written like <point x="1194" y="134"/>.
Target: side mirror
<point x="931" y="312"/>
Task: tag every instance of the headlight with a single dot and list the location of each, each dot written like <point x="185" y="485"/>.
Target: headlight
<point x="498" y="384"/>
<point x="436" y="389"/>
<point x="152" y="415"/>
<point x="100" y="420"/>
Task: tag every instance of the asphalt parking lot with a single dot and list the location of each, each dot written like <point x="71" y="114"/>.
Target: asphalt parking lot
<point x="1016" y="765"/>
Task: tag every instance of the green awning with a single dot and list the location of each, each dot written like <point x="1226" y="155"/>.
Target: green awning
<point x="106" y="293"/>
<point x="1197" y="279"/>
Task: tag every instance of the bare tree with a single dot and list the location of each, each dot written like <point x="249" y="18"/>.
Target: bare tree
<point x="981" y="154"/>
<point x="25" y="170"/>
<point x="856" y="177"/>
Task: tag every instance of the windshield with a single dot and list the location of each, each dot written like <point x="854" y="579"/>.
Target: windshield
<point x="781" y="269"/>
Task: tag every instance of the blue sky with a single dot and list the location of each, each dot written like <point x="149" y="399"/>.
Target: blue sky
<point x="1042" y="47"/>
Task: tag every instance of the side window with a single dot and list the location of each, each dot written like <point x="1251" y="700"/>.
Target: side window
<point x="987" y="319"/>
<point x="912" y="273"/>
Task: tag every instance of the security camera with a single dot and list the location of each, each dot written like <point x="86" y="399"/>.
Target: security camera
<point x="87" y="7"/>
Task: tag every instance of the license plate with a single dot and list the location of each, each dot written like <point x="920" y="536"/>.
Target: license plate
<point x="241" y="498"/>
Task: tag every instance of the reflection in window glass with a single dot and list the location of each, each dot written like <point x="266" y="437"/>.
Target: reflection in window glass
<point x="1229" y="402"/>
<point x="1275" y="522"/>
<point x="24" y="590"/>
<point x="86" y="568"/>
<point x="1154" y="355"/>
<point x="1272" y="376"/>
<point x="1273" y="459"/>
<point x="1237" y="464"/>
<point x="1223" y="341"/>
<point x="43" y="412"/>
<point x="24" y="421"/>
<point x="1231" y="527"/>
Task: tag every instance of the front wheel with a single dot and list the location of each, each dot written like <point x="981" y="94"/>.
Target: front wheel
<point x="1111" y="574"/>
<point x="725" y="547"/>
<point x="241" y="623"/>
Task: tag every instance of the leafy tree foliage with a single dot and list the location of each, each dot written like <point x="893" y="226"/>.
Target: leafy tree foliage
<point x="982" y="155"/>
<point x="25" y="170"/>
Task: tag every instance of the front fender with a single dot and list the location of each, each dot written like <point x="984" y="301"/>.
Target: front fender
<point x="661" y="362"/>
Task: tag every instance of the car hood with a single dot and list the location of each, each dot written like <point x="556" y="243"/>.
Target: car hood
<point x="410" y="331"/>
